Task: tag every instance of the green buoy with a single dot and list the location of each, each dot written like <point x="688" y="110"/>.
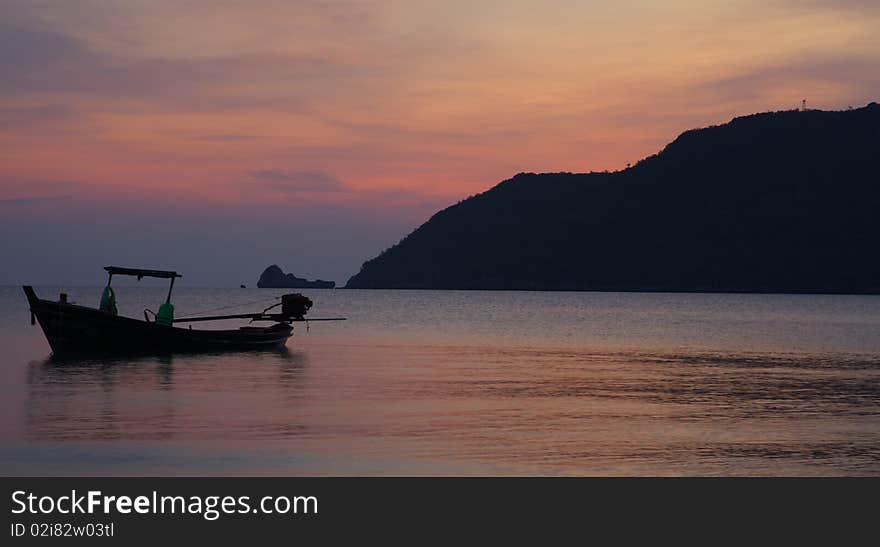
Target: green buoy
<point x="166" y="314"/>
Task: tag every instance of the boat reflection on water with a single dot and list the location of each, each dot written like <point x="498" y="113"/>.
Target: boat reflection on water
<point x="447" y="383"/>
<point x="182" y="396"/>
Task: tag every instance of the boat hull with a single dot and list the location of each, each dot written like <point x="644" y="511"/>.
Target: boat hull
<point x="77" y="330"/>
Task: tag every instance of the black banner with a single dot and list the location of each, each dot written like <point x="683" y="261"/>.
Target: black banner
<point x="418" y="510"/>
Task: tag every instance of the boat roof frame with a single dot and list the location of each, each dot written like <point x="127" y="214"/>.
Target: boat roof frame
<point x="141" y="273"/>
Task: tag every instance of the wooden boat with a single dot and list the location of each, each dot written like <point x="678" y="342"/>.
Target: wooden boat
<point x="80" y="330"/>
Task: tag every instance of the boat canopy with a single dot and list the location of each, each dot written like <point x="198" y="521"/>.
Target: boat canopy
<point x="140" y="274"/>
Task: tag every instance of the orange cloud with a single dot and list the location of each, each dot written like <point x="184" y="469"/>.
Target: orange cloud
<point x="438" y="99"/>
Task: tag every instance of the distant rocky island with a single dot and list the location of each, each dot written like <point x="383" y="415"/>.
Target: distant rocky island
<point x="774" y="202"/>
<point x="274" y="278"/>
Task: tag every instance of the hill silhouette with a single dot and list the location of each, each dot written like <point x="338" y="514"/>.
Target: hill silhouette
<point x="274" y="278"/>
<point x="773" y="202"/>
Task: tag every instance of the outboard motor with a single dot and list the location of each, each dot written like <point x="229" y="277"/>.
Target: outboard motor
<point x="295" y="305"/>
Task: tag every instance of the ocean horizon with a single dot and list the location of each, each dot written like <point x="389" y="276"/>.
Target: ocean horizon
<point x="462" y="383"/>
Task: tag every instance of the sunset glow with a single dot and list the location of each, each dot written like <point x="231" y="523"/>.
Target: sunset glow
<point x="348" y="123"/>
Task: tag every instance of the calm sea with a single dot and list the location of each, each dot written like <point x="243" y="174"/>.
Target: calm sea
<point x="461" y="383"/>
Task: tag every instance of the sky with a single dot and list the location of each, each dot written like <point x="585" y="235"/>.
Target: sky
<point x="217" y="137"/>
